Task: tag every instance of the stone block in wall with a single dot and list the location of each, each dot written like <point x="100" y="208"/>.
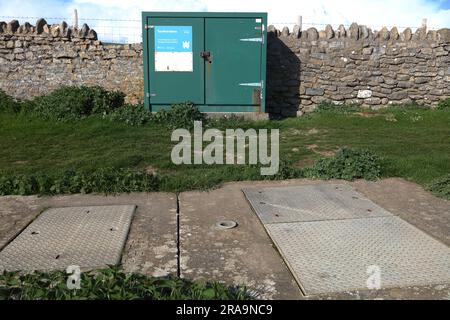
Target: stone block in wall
<point x="285" y="32"/>
<point x="444" y="35"/>
<point x="353" y="31"/>
<point x="92" y="35"/>
<point x="341" y="32"/>
<point x="372" y="101"/>
<point x="40" y="24"/>
<point x="3" y="25"/>
<point x="394" y="34"/>
<point x="312" y="34"/>
<point x="406" y="35"/>
<point x="12" y="26"/>
<point x="329" y="32"/>
<point x="398" y="95"/>
<point x="296" y="32"/>
<point x="315" y="91"/>
<point x="364" y="94"/>
<point x="383" y="34"/>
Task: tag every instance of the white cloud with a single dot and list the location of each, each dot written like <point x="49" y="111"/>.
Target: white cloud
<point x="374" y="13"/>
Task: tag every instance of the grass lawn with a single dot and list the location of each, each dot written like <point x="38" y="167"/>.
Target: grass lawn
<point x="415" y="145"/>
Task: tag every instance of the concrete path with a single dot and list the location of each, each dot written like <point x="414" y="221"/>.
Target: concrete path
<point x="241" y="255"/>
<point x="244" y="255"/>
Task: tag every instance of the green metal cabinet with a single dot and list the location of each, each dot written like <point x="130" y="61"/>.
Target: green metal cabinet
<point x="215" y="60"/>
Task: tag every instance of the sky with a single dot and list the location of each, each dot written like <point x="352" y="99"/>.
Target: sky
<point x="373" y="13"/>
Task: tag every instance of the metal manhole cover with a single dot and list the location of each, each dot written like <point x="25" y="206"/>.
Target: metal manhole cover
<point x="334" y="256"/>
<point x="89" y="237"/>
<point x="311" y="203"/>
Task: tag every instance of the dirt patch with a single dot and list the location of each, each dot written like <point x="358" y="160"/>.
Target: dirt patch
<point x="21" y="162"/>
<point x="310" y="132"/>
<point x="324" y="153"/>
<point x="313" y="131"/>
<point x="305" y="163"/>
<point x="366" y="114"/>
<point x="151" y="170"/>
<point x="312" y="147"/>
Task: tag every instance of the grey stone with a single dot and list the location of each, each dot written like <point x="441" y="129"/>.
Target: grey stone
<point x="384" y="34"/>
<point x="367" y="51"/>
<point x="27" y="27"/>
<point x="372" y="101"/>
<point x="3" y="25"/>
<point x="55" y="31"/>
<point x="364" y="32"/>
<point x="427" y="51"/>
<point x="364" y="94"/>
<point x="329" y="32"/>
<point x="432" y="35"/>
<point x="421" y="80"/>
<point x="12" y="26"/>
<point x="40" y="24"/>
<point x="296" y="32"/>
<point x="399" y="95"/>
<point x="315" y="91"/>
<point x="404" y="84"/>
<point x="444" y="34"/>
<point x="403" y="77"/>
<point x="92" y="35"/>
<point x="341" y="32"/>
<point x="421" y="33"/>
<point x="353" y="31"/>
<point x="47" y="29"/>
<point x="394" y="33"/>
<point x="84" y="31"/>
<point x="272" y="30"/>
<point x="406" y="34"/>
<point x="285" y="32"/>
<point x="312" y="34"/>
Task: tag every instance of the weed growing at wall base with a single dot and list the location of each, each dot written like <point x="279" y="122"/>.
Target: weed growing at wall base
<point x="72" y="103"/>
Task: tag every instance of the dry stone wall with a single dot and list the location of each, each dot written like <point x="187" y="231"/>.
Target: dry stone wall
<point x="353" y="65"/>
<point x="356" y="65"/>
<point x="35" y="60"/>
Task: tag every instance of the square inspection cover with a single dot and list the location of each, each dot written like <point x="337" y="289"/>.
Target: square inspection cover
<point x="340" y="255"/>
<point x="88" y="237"/>
<point x="311" y="203"/>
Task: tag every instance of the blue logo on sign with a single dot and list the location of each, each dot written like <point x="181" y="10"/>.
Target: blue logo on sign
<point x="173" y="39"/>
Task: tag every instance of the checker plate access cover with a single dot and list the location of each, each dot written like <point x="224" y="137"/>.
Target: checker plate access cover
<point x="340" y="255"/>
<point x="334" y="239"/>
<point x="88" y="237"/>
<point x="311" y="203"/>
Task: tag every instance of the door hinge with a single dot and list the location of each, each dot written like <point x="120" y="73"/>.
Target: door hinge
<point x="151" y="95"/>
<point x="148" y="27"/>
<point x="253" y="40"/>
<point x="252" y="84"/>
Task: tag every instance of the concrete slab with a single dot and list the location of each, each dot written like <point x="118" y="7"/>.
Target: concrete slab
<point x="311" y="203"/>
<point x="88" y="237"/>
<point x="16" y="213"/>
<point x="151" y="247"/>
<point x="239" y="256"/>
<point x="402" y="198"/>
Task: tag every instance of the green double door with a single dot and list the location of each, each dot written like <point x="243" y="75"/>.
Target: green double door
<point x="208" y="61"/>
